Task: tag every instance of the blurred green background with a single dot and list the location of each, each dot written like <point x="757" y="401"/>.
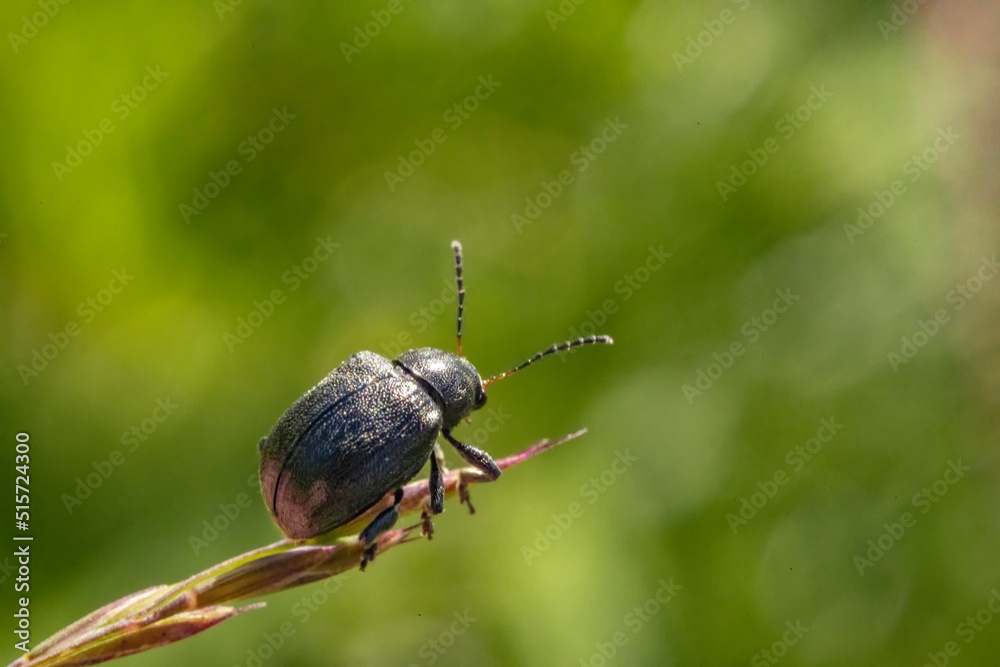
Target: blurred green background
<point x="205" y="150"/>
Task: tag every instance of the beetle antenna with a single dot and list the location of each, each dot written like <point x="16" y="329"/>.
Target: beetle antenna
<point x="457" y="248"/>
<point x="559" y="347"/>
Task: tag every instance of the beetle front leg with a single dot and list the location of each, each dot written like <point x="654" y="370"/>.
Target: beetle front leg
<point x="475" y="457"/>
<point x="381" y="523"/>
<point x="486" y="468"/>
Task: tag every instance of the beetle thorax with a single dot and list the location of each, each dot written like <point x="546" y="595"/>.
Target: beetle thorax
<point x="453" y="381"/>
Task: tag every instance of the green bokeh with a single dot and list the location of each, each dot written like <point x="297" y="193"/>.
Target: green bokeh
<point x="684" y="94"/>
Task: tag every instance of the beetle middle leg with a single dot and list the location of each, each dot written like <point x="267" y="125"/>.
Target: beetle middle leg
<point x="381" y="523"/>
<point x="437" y="486"/>
<point x="436" y="493"/>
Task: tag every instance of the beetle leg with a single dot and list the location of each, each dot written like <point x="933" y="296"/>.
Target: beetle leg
<point x="436" y="498"/>
<point x="437" y="486"/>
<point x="486" y="469"/>
<point x="381" y="523"/>
<point x="426" y="525"/>
<point x="475" y="457"/>
<point x="463" y="494"/>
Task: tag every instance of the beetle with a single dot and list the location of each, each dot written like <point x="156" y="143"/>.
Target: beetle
<point x="368" y="428"/>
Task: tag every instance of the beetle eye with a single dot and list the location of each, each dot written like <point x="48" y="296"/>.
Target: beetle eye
<point x="480" y="398"/>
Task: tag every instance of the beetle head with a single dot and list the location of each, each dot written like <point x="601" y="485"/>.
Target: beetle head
<point x="453" y="378"/>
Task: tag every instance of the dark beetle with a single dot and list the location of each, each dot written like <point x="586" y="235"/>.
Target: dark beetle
<point x="368" y="428"/>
